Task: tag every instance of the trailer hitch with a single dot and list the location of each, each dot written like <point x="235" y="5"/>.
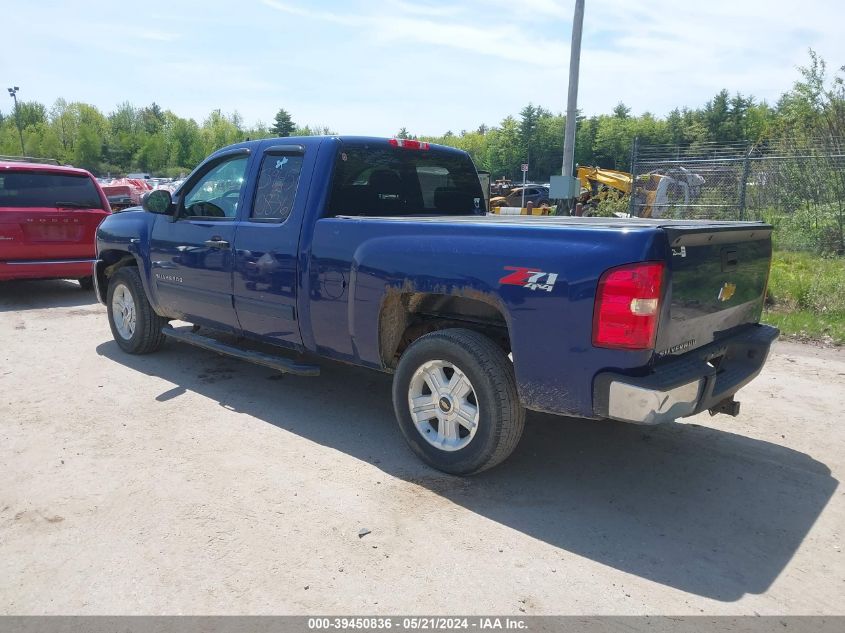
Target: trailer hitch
<point x="728" y="406"/>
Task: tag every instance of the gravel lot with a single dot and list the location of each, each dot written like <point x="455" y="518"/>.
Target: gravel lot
<point x="184" y="482"/>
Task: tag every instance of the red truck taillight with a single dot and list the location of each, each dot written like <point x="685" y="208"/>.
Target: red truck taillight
<point x="627" y="306"/>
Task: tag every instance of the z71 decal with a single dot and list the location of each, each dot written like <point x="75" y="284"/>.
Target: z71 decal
<point x="529" y="278"/>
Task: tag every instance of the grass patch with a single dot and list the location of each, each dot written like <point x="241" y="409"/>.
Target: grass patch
<point x="807" y="326"/>
<point x="813" y="229"/>
<point x="806" y="297"/>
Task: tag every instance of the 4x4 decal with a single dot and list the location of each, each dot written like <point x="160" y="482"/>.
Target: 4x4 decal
<point x="529" y="278"/>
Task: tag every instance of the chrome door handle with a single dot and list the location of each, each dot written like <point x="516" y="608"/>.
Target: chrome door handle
<point x="217" y="242"/>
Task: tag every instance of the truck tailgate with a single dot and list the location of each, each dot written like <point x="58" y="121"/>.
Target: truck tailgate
<point x="717" y="282"/>
<point x="48" y="233"/>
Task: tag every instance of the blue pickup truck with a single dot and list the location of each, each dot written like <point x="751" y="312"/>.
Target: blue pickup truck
<point x="380" y="253"/>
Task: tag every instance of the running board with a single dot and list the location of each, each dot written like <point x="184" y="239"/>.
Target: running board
<point x="279" y="363"/>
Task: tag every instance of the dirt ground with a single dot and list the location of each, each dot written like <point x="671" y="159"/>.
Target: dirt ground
<point x="183" y="482"/>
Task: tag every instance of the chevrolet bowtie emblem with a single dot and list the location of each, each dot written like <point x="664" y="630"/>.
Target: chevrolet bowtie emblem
<point x="727" y="291"/>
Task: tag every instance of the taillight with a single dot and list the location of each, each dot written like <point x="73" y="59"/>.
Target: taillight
<point x="627" y="306"/>
<point x="407" y="143"/>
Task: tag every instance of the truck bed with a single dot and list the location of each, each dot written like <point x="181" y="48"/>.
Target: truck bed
<point x="550" y="220"/>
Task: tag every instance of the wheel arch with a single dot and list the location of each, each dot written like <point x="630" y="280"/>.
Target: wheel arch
<point x="406" y="316"/>
<point x="108" y="263"/>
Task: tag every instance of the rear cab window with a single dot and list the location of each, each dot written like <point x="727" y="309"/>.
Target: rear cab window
<point x="381" y="180"/>
<point x="31" y="189"/>
<point x="278" y="181"/>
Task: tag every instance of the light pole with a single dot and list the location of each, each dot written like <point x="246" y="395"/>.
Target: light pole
<point x="13" y="92"/>
<point x="572" y="103"/>
<point x="527" y="163"/>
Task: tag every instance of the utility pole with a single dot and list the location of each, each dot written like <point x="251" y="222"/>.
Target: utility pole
<point x="13" y="92"/>
<point x="525" y="166"/>
<point x="572" y="102"/>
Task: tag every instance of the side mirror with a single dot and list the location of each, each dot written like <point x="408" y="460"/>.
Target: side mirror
<point x="158" y="201"/>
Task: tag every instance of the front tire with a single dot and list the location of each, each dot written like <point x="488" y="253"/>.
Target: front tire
<point x="134" y="324"/>
<point x="455" y="398"/>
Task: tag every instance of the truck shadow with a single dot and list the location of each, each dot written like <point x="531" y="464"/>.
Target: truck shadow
<point x="17" y="296"/>
<point x="698" y="509"/>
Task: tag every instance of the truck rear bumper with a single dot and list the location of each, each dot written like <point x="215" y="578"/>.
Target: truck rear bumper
<point x="45" y="269"/>
<point x="685" y="385"/>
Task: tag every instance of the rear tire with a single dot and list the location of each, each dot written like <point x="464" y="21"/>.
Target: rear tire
<point x="456" y="402"/>
<point x="134" y="324"/>
<point x="86" y="283"/>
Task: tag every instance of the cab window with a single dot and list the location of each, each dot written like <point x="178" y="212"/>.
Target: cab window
<point x="278" y="180"/>
<point x="216" y="193"/>
<point x="375" y="180"/>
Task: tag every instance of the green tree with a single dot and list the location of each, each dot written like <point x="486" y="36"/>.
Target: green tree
<point x="88" y="148"/>
<point x="547" y="146"/>
<point x="152" y="157"/>
<point x="65" y="122"/>
<point x="284" y="125"/>
<point x="621" y="111"/>
<point x="41" y="140"/>
<point x="152" y="118"/>
<point x="505" y="150"/>
<point x="717" y="118"/>
<point x="219" y="130"/>
<point x="614" y="137"/>
<point x="126" y="136"/>
<point x="585" y="139"/>
<point x="31" y="114"/>
<point x="528" y="118"/>
<point x="186" y="147"/>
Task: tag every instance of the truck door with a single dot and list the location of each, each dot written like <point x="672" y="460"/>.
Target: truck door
<point x="191" y="254"/>
<point x="267" y="246"/>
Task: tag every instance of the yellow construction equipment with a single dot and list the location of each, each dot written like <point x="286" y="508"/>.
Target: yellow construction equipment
<point x="654" y="193"/>
<point x="593" y="177"/>
<point x="531" y="210"/>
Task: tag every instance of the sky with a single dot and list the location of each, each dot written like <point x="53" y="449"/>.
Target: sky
<point x="430" y="66"/>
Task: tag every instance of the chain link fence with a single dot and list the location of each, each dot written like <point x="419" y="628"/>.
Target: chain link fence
<point x="796" y="184"/>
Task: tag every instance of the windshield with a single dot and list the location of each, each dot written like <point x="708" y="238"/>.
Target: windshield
<point x="45" y="189"/>
<point x="388" y="181"/>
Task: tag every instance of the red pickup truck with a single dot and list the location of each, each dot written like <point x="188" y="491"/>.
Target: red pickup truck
<point x="49" y="215"/>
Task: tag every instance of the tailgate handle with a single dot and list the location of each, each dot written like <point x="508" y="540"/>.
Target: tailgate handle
<point x="730" y="261"/>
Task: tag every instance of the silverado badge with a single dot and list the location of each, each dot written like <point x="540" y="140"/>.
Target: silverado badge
<point x="727" y="291"/>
